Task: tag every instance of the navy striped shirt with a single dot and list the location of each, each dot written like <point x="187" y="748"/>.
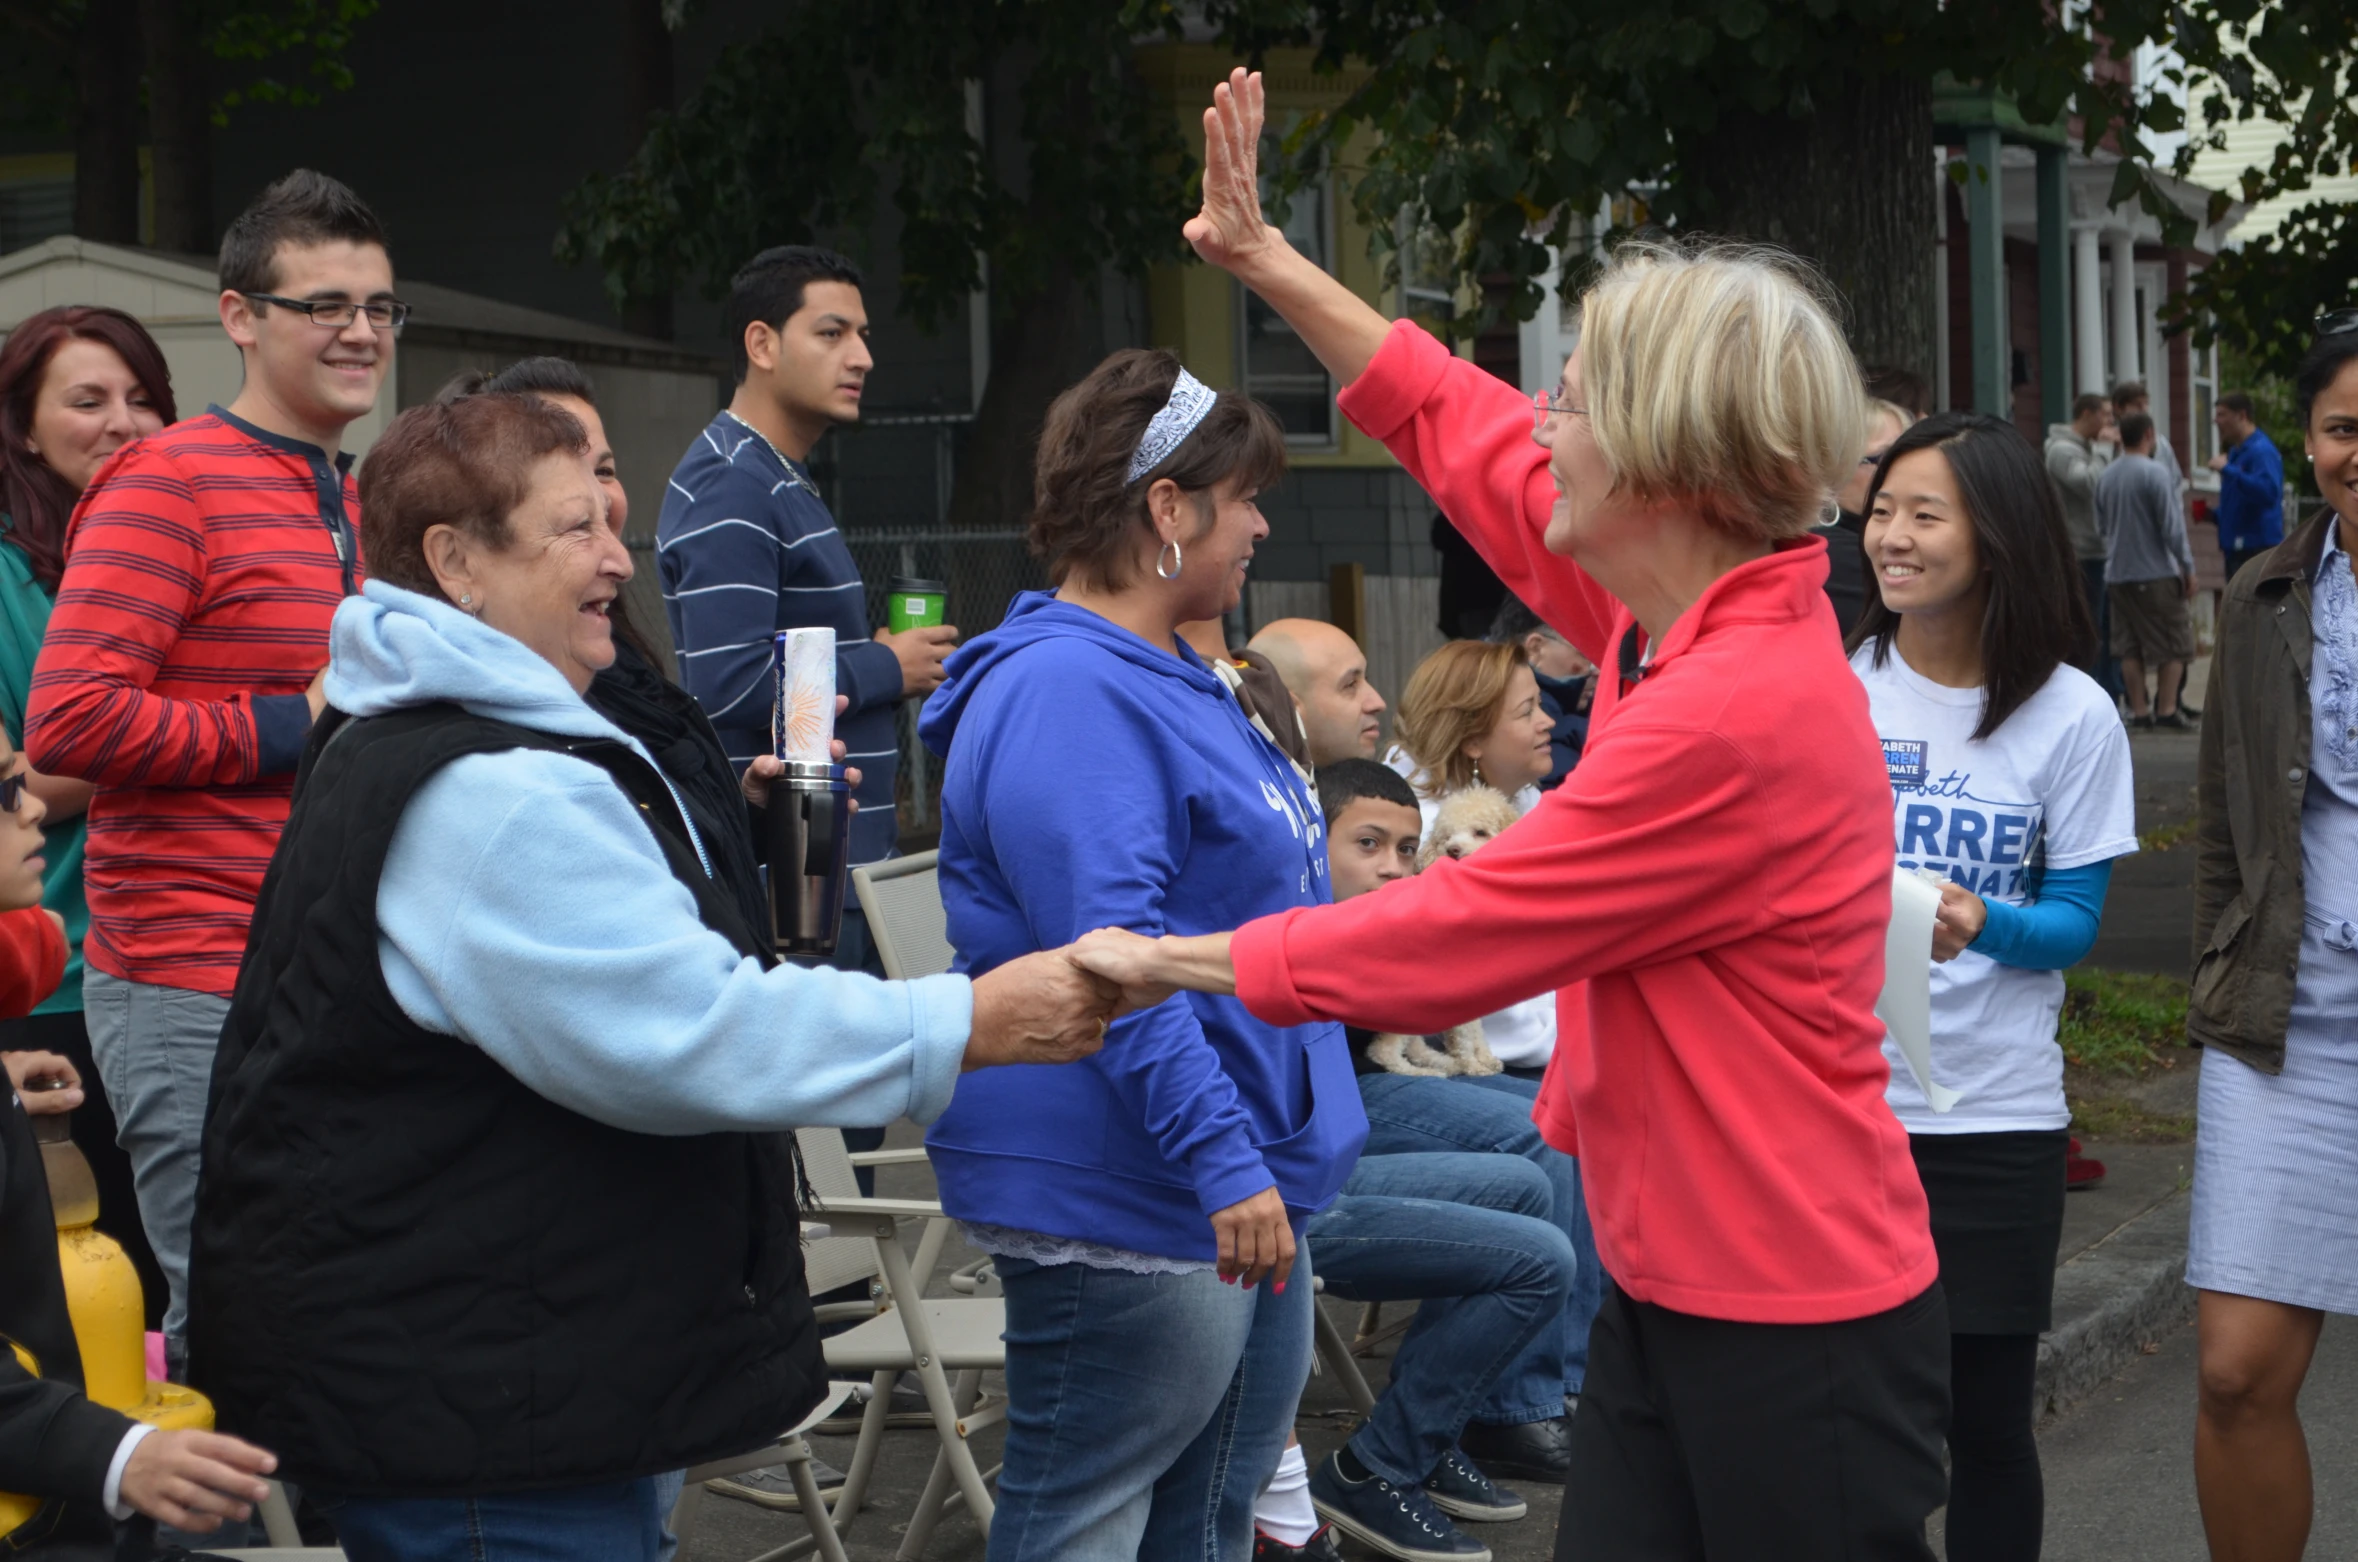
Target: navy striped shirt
<point x="746" y="548"/>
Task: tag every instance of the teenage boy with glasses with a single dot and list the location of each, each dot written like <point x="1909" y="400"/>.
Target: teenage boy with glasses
<point x="182" y="668"/>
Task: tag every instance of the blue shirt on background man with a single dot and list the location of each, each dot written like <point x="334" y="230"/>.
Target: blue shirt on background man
<point x="2251" y="496"/>
<point x="746" y="548"/>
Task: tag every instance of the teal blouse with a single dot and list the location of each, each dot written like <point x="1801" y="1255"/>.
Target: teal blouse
<point x="24" y="618"/>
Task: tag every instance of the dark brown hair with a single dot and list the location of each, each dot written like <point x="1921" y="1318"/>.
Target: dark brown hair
<point x="303" y="208"/>
<point x="2037" y="615"/>
<point x="464" y="463"/>
<point x="37" y="501"/>
<point x="551" y="376"/>
<point x="1086" y="515"/>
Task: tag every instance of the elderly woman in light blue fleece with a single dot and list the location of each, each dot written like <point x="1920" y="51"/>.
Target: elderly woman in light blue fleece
<point x="496" y="1227"/>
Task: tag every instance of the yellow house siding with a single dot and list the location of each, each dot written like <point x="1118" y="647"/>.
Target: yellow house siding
<point x="1191" y="308"/>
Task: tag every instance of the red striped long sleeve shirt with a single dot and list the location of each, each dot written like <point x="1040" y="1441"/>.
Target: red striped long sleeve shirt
<point x="202" y="567"/>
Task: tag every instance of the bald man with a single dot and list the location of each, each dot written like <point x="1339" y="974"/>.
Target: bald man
<point x="1327" y="673"/>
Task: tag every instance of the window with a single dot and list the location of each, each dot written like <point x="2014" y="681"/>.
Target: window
<point x="1279" y="369"/>
<point x="2202" y="366"/>
<point x="34" y="209"/>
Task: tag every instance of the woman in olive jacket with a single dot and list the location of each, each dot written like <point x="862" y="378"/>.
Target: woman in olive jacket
<point x="2275" y="1237"/>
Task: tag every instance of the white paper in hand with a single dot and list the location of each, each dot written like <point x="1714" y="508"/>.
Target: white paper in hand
<point x="1906" y="1005"/>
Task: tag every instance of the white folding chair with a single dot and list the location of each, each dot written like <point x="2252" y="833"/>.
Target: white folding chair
<point x="825" y="1537"/>
<point x="902" y="897"/>
<point x="933" y="1338"/>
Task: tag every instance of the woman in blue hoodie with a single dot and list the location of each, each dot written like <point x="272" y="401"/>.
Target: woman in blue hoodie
<point x="496" y="1226"/>
<point x="1145" y="1207"/>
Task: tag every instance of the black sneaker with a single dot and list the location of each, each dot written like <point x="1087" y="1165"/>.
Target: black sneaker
<point x="1532" y="1451"/>
<point x="2175" y="721"/>
<point x="1396" y="1521"/>
<point x="2140" y="723"/>
<point x="1460" y="1490"/>
<point x="1320" y="1547"/>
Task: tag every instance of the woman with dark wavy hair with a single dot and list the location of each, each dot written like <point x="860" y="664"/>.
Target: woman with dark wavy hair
<point x="77" y="384"/>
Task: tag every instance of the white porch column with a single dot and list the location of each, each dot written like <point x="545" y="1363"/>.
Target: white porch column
<point x="2124" y="306"/>
<point x="2087" y="311"/>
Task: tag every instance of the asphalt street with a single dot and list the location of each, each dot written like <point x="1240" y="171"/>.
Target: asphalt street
<point x="2120" y="1466"/>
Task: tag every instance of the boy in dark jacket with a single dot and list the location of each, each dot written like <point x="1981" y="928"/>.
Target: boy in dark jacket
<point x="78" y="1465"/>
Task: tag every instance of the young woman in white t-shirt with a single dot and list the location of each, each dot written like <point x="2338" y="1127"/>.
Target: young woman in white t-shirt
<point x="2010" y="779"/>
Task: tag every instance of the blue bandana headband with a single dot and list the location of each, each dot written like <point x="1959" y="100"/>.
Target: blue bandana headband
<point x="1190" y="403"/>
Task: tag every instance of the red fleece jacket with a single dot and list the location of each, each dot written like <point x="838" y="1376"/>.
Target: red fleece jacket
<point x="1709" y="889"/>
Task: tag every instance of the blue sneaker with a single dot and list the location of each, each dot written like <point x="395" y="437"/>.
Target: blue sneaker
<point x="1462" y="1491"/>
<point x="1396" y="1521"/>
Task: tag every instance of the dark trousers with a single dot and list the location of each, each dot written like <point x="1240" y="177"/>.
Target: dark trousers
<point x="2103" y="666"/>
<point x="1997" y="1497"/>
<point x="1752" y="1442"/>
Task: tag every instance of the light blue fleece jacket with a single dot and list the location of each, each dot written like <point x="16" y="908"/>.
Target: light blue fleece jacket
<point x="527" y="908"/>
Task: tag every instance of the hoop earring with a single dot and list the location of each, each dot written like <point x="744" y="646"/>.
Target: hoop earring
<point x="1176" y="562"/>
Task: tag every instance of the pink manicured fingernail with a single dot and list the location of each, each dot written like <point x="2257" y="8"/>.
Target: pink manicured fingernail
<point x="1281" y="1288"/>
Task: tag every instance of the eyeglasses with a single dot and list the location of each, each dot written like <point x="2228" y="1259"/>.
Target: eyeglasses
<point x="2337" y="321"/>
<point x="384" y="314"/>
<point x="12" y="792"/>
<point x="1547" y="404"/>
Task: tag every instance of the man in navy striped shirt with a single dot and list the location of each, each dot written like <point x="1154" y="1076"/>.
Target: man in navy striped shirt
<point x="746" y="547"/>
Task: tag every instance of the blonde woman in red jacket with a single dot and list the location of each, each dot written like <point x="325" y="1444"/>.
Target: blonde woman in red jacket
<point x="1709" y="889"/>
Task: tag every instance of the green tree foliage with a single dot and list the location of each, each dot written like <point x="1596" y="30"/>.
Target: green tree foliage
<point x="1504" y="121"/>
<point x="2293" y="62"/>
<point x="797" y="133"/>
<point x="281" y="51"/>
<point x="290" y="51"/>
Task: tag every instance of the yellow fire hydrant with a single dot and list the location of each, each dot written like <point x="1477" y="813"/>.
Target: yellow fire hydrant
<point x="108" y="1310"/>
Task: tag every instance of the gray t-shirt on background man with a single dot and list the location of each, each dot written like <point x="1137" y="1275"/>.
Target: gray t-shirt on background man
<point x="2144" y="528"/>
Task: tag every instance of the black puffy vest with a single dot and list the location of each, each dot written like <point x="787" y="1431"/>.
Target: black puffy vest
<point x="412" y="1275"/>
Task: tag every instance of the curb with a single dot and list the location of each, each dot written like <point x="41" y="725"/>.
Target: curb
<point x="2112" y="1300"/>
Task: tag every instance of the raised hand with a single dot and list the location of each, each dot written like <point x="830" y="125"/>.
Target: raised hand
<point x="1039" y="1008"/>
<point x="1229" y="232"/>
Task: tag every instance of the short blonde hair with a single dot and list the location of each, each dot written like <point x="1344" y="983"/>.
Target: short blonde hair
<point x="1715" y="373"/>
<point x="1454" y="696"/>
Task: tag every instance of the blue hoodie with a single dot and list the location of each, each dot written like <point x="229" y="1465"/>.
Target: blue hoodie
<point x="1093" y="781"/>
<point x="526" y="908"/>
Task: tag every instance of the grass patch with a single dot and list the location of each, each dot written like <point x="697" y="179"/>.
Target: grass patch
<point x="2119" y="1022"/>
<point x="2118" y="1118"/>
<point x="2167" y="836"/>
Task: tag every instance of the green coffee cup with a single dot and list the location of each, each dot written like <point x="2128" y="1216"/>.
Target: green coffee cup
<point x="911" y="603"/>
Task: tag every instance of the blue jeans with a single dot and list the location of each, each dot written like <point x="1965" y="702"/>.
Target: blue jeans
<point x="612" y="1521"/>
<point x="154" y="1048"/>
<point x="1144" y="1412"/>
<point x="1468" y="1237"/>
<point x="1415" y="1114"/>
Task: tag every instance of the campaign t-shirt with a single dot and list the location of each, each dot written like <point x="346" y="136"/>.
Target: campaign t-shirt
<point x="2050" y="789"/>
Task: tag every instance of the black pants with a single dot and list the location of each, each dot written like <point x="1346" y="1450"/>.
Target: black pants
<point x="94" y="1135"/>
<point x="1752" y="1442"/>
<point x="1997" y="1500"/>
<point x="2237" y="558"/>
